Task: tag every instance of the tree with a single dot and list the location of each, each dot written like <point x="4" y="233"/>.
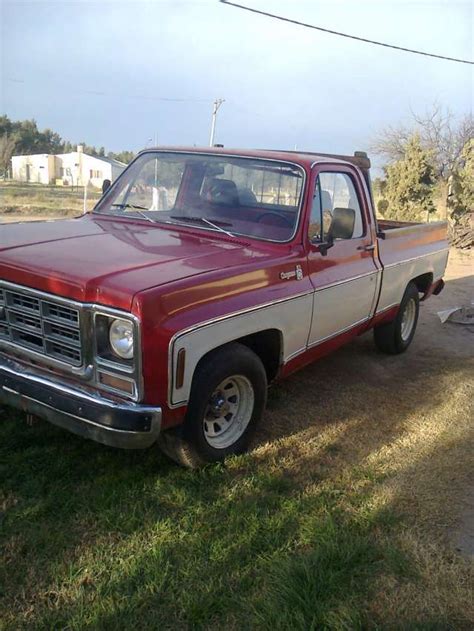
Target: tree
<point x="52" y="142"/>
<point x="7" y="147"/>
<point x="461" y="186"/>
<point x="24" y="138"/>
<point x="5" y="125"/>
<point x="409" y="187"/>
<point x="439" y="132"/>
<point x="28" y="138"/>
<point x="124" y="156"/>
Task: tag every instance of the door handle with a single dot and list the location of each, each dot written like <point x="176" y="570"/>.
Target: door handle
<point x="367" y="248"/>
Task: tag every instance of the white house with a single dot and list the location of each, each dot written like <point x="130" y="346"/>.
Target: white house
<point x="75" y="168"/>
<point x="38" y="168"/>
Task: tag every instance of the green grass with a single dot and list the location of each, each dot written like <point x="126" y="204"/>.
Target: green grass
<point x="99" y="537"/>
<point x="95" y="538"/>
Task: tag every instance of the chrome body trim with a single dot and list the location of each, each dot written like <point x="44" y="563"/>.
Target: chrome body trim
<point x="113" y="430"/>
<point x="47" y="360"/>
<point x="395" y="304"/>
<point x="295" y="354"/>
<point x="209" y="322"/>
<point x="75" y="421"/>
<point x="414" y="258"/>
<point x="120" y="369"/>
<point x="87" y="372"/>
<point x="204" y="323"/>
<point x="43" y="294"/>
<point x="336" y="333"/>
<point x="399" y="273"/>
<point x="378" y="289"/>
<point x="63" y="388"/>
<point x="344" y="281"/>
<point x="325" y="339"/>
<point x="329" y="161"/>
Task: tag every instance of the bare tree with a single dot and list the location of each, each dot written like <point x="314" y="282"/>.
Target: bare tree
<point x="440" y="133"/>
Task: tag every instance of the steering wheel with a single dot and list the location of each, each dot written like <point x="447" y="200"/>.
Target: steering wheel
<point x="273" y="213"/>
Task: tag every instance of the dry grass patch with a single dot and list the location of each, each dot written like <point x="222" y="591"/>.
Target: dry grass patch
<point x="29" y="201"/>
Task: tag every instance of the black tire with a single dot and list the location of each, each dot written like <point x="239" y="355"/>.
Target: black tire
<point x="389" y="337"/>
<point x="188" y="445"/>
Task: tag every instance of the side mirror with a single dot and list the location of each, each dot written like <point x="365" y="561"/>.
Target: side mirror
<point x="323" y="246"/>
<point x="342" y="224"/>
<point x="105" y="186"/>
<point x="342" y="227"/>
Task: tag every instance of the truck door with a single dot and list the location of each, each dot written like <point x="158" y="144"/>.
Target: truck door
<point x="345" y="275"/>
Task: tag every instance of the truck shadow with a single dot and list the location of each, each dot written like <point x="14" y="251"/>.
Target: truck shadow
<point x="66" y="502"/>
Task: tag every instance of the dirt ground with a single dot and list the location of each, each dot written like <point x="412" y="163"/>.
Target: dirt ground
<point x="457" y="340"/>
<point x="453" y="340"/>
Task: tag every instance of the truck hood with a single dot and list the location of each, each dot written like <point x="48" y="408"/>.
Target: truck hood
<point x="107" y="261"/>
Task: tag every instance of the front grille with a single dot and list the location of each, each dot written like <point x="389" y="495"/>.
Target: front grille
<point x="40" y="324"/>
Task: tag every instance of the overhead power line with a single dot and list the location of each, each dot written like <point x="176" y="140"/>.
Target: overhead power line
<point x="332" y="32"/>
<point x="122" y="95"/>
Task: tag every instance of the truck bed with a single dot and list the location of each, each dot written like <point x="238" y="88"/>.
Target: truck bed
<point x="389" y="229"/>
<point x="409" y="250"/>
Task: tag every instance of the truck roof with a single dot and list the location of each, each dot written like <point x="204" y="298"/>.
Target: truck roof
<point x="304" y="158"/>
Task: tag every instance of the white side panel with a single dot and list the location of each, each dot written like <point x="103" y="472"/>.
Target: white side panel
<point x="339" y="307"/>
<point x="397" y="276"/>
<point x="291" y="317"/>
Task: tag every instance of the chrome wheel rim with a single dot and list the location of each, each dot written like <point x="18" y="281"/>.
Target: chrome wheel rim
<point x="228" y="411"/>
<point x="408" y="320"/>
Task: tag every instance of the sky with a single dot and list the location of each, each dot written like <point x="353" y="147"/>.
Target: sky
<point x="120" y="74"/>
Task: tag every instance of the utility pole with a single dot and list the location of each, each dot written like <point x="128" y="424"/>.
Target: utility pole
<point x="217" y="104"/>
<point x="150" y="141"/>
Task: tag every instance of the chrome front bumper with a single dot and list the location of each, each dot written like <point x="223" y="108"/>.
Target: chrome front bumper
<point x="125" y="425"/>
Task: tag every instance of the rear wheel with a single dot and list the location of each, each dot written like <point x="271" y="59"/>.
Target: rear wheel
<point x="227" y="400"/>
<point x="396" y="336"/>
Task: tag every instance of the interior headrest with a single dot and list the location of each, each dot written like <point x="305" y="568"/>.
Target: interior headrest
<point x="326" y="201"/>
<point x="223" y="192"/>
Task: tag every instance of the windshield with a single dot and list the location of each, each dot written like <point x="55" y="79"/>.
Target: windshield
<point x="234" y="195"/>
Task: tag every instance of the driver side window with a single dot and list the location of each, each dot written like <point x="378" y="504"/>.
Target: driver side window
<point x="335" y="193"/>
<point x="315" y="221"/>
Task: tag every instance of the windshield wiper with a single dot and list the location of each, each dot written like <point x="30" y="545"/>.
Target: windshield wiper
<point x="205" y="220"/>
<point x="134" y="207"/>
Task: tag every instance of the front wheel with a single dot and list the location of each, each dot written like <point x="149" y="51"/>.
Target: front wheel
<point x="227" y="400"/>
<point x="396" y="336"/>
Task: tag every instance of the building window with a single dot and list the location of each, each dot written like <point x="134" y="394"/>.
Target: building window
<point x="95" y="174"/>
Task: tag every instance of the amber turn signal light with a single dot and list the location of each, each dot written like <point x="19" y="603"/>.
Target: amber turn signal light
<point x="116" y="383"/>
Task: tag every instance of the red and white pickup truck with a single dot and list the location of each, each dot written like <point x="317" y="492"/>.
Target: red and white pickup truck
<point x="201" y="276"/>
